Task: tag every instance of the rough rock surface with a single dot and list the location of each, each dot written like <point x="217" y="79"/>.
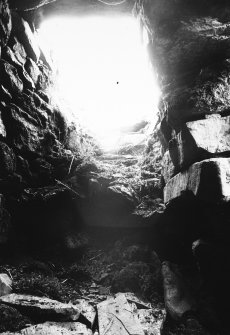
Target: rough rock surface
<point x="22" y="31"/>
<point x="189" y="47"/>
<point x="168" y="168"/>
<point x="208" y="180"/>
<point x="36" y="145"/>
<point x="200" y="140"/>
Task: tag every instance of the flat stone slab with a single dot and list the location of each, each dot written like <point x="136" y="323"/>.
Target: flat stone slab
<point x="199" y="140"/>
<point x="209" y="180"/>
<point x="54" y="328"/>
<point x="40" y="308"/>
<point x="127" y="315"/>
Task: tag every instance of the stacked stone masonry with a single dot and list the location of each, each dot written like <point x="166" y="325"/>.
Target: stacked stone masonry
<point x="189" y="48"/>
<point x="37" y="142"/>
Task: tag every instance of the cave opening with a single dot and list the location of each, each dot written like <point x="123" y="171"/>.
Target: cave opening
<point x="145" y="223"/>
<point x="103" y="75"/>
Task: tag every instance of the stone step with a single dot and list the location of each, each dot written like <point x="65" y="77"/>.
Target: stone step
<point x="199" y="140"/>
<point x="208" y="180"/>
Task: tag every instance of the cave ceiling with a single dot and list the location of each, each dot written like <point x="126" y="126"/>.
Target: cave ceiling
<point x="74" y="7"/>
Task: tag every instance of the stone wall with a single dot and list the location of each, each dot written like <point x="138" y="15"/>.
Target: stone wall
<point x="189" y="46"/>
<point x="37" y="143"/>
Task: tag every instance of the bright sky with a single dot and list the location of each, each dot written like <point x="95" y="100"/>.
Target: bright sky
<point x="103" y="72"/>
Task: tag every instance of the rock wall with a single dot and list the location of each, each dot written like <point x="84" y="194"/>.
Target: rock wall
<point x="37" y="143"/>
<point x="189" y="48"/>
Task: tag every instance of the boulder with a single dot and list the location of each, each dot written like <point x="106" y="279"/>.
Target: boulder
<point x="5" y="23"/>
<point x="54" y="328"/>
<point x="40" y="308"/>
<point x="9" y="77"/>
<point x="126" y="315"/>
<point x="5" y="284"/>
<point x="178" y="299"/>
<point x="208" y="180"/>
<point x="23" y="33"/>
<point x="199" y="140"/>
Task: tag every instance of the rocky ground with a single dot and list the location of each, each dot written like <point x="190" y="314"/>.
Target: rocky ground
<point x="103" y="260"/>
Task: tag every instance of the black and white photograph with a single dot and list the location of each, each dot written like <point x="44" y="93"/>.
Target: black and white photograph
<point x="114" y="167"/>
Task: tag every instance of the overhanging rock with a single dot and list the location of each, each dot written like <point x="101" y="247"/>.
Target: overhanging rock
<point x="208" y="180"/>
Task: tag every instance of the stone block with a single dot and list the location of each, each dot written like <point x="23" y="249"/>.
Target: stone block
<point x="208" y="180"/>
<point x="18" y="50"/>
<point x="9" y="77"/>
<point x="10" y="57"/>
<point x="164" y="133"/>
<point x="199" y="140"/>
